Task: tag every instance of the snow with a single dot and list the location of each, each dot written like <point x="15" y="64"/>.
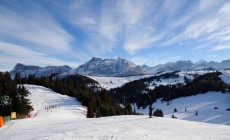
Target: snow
<point x="203" y="103"/>
<point x="114" y="82"/>
<point x="171" y="81"/>
<point x="68" y="122"/>
<point x="199" y="72"/>
<point x="175" y="80"/>
<point x="226" y="78"/>
<point x="42" y="97"/>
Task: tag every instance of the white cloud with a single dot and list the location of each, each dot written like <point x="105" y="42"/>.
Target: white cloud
<point x="208" y="23"/>
<point x="138" y="30"/>
<point x="207" y="4"/>
<point x="220" y="47"/>
<point x="202" y="27"/>
<point x="212" y="55"/>
<point x="225" y="9"/>
<point x="139" y="40"/>
<point x="132" y="12"/>
<point x="98" y="25"/>
<point x="155" y="59"/>
<point x="16" y="50"/>
<point x="115" y="21"/>
<point x="41" y="29"/>
<point x="12" y="54"/>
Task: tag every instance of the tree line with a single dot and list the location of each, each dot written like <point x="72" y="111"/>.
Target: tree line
<point x="133" y="91"/>
<point x="18" y="101"/>
<point x="98" y="101"/>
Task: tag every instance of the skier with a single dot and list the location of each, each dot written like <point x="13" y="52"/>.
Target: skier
<point x="150" y="111"/>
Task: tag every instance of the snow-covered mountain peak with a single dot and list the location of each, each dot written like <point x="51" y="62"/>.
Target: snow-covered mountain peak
<point x="110" y="67"/>
<point x="201" y="62"/>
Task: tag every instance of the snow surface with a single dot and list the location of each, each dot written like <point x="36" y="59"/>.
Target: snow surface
<point x="68" y="122"/>
<point x="226" y="78"/>
<point x="42" y="97"/>
<point x="166" y="81"/>
<point x="114" y="82"/>
<point x="203" y="103"/>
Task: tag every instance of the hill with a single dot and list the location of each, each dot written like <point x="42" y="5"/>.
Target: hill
<point x="62" y="106"/>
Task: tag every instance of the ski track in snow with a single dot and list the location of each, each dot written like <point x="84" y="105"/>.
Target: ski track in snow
<point x="69" y="122"/>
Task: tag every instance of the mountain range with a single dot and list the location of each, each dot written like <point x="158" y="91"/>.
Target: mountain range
<point x="117" y="67"/>
<point x="39" y="71"/>
<point x="188" y="65"/>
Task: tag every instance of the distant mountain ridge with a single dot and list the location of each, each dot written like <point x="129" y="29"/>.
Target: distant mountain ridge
<point x="188" y="65"/>
<point x="39" y="71"/>
<point x="118" y="67"/>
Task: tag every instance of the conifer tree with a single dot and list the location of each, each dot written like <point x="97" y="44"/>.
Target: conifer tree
<point x="22" y="103"/>
<point x="17" y="78"/>
<point x="196" y="113"/>
<point x="90" y="111"/>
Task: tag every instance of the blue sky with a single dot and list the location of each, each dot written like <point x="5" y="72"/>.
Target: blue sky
<point x="151" y="32"/>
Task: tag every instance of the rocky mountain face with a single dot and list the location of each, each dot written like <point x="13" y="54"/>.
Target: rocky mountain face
<point x="39" y="71"/>
<point x="110" y="67"/>
<point x="179" y="65"/>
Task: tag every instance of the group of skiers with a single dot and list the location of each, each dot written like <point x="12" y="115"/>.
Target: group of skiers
<point x="51" y="107"/>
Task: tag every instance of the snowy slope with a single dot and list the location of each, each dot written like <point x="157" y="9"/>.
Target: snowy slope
<point x="68" y="122"/>
<point x="114" y="82"/>
<point x="42" y="97"/>
<point x="117" y="127"/>
<point x="176" y="80"/>
<point x="173" y="80"/>
<point x="226" y="78"/>
<point x="168" y="81"/>
<point x="203" y="103"/>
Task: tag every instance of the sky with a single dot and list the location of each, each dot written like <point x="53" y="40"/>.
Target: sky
<point x="150" y="32"/>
